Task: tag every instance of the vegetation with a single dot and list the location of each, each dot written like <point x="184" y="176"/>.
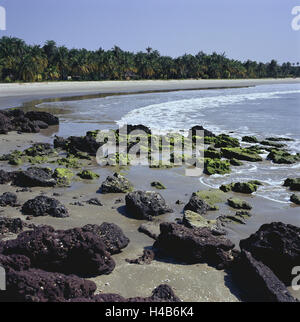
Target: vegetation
<point x="22" y="62"/>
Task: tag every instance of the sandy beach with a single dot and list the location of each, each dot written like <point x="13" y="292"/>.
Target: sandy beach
<point x="12" y="95"/>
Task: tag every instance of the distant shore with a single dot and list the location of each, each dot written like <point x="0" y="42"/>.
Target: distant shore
<point x="15" y="94"/>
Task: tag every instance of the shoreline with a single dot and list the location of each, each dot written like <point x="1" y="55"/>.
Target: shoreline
<point x="13" y="95"/>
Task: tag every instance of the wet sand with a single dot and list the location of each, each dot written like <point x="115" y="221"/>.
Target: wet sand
<point x="12" y="95"/>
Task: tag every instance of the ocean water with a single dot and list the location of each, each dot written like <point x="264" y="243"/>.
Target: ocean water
<point x="263" y="111"/>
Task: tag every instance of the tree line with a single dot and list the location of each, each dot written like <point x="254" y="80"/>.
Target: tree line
<point x="20" y="62"/>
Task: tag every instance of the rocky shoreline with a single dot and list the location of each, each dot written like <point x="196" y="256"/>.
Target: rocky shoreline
<point x="35" y="254"/>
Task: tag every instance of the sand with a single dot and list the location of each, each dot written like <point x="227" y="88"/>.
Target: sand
<point x="15" y="94"/>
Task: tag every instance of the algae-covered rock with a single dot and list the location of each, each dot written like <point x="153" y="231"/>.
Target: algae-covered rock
<point x="212" y="153"/>
<point x="237" y="203"/>
<point x="224" y="140"/>
<point x="194" y="220"/>
<point x="88" y="175"/>
<point x="241" y="154"/>
<point x="249" y="139"/>
<point x="8" y="199"/>
<point x="39" y="149"/>
<point x="240" y="217"/>
<point x="283" y="157"/>
<point x="157" y="185"/>
<point x="198" y="205"/>
<point x="34" y="177"/>
<point x="235" y="162"/>
<point x="270" y="143"/>
<point x="215" y="166"/>
<point x="295" y="199"/>
<point x="293" y="183"/>
<point x="69" y="162"/>
<point x="212" y="197"/>
<point x="63" y="176"/>
<point x="116" y="184"/>
<point x="241" y="187"/>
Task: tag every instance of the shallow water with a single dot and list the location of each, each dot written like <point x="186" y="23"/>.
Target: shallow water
<point x="263" y="111"/>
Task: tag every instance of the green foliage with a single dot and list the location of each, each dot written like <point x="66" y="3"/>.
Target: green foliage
<point x="26" y="63"/>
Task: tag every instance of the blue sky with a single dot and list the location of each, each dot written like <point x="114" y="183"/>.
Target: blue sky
<point x="255" y="29"/>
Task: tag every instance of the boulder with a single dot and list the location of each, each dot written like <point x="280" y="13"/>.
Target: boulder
<point x="63" y="176"/>
<point x="292" y="183"/>
<point x="259" y="283"/>
<point x="276" y="245"/>
<point x="35" y="177"/>
<point x="237" y="203"/>
<point x="195" y="128"/>
<point x="14" y="262"/>
<point x="295" y="199"/>
<point x="35" y="285"/>
<point x="116" y="184"/>
<point x="23" y="124"/>
<point x="5" y="124"/>
<point x="95" y="202"/>
<point x="72" y="251"/>
<point x="249" y="139"/>
<point x="215" y="166"/>
<point x="6" y="177"/>
<point x="88" y="175"/>
<point x="146" y="204"/>
<point x="10" y="225"/>
<point x="241" y="154"/>
<point x="42" y="116"/>
<point x="198" y="205"/>
<point x="241" y="187"/>
<point x="157" y="185"/>
<point x="150" y="228"/>
<point x="44" y="206"/>
<point x="283" y="157"/>
<point x="112" y="236"/>
<point x="8" y="199"/>
<point x="194" y="245"/>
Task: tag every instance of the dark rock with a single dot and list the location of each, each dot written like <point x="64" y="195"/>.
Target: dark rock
<point x="238" y="204"/>
<point x="41" y="124"/>
<point x="258" y="281"/>
<point x="195" y="128"/>
<point x="42" y="116"/>
<point x="44" y="206"/>
<point x="293" y="183"/>
<point x="147" y="257"/>
<point x="72" y="251"/>
<point x="15" y="262"/>
<point x="35" y="285"/>
<point x="116" y="184"/>
<point x="295" y="199"/>
<point x="5" y="124"/>
<point x="146" y="204"/>
<point x="249" y="139"/>
<point x="83" y="144"/>
<point x="111" y="235"/>
<point x="198" y="205"/>
<point x="151" y="228"/>
<point x="8" y="199"/>
<point x="6" y="177"/>
<point x="24" y="125"/>
<point x="39" y="149"/>
<point x="10" y="225"/>
<point x="197" y="245"/>
<point x="35" y="177"/>
<point x="60" y="142"/>
<point x="95" y="202"/>
<point x="276" y="245"/>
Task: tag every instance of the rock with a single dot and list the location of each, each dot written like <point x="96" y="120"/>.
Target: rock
<point x="293" y="183"/>
<point x="35" y="285"/>
<point x="240" y="217"/>
<point x="116" y="184"/>
<point x="273" y="144"/>
<point x="8" y="199"/>
<point x="193" y="220"/>
<point x="224" y="140"/>
<point x="150" y="228"/>
<point x="215" y="166"/>
<point x="95" y="202"/>
<point x="212" y="197"/>
<point x="279" y="139"/>
<point x="295" y="199"/>
<point x="197" y="245"/>
<point x="283" y="157"/>
<point x="241" y="154"/>
<point x="42" y="116"/>
<point x="60" y="142"/>
<point x="198" y="205"/>
<point x="207" y="133"/>
<point x="146" y="204"/>
<point x="112" y="236"/>
<point x="35" y="177"/>
<point x="147" y="257"/>
<point x="237" y="203"/>
<point x="72" y="251"/>
<point x="249" y="139"/>
<point x="14" y="262"/>
<point x="5" y="124"/>
<point x="10" y="225"/>
<point x="276" y="245"/>
<point x="44" y="206"/>
<point x="88" y="175"/>
<point x="6" y="177"/>
<point x="235" y="162"/>
<point x="41" y="124"/>
<point x="63" y="176"/>
<point x="83" y="144"/>
<point x="241" y="187"/>
<point x="259" y="283"/>
<point x="157" y="185"/>
<point x="212" y="153"/>
<point x="24" y="125"/>
<point x="39" y="149"/>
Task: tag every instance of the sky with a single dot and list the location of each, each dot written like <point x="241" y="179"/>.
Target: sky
<point x="243" y="29"/>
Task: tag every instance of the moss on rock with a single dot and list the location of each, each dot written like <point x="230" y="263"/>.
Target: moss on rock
<point x="237" y="203"/>
<point x="63" y="176"/>
<point x="215" y="166"/>
<point x="88" y="175"/>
